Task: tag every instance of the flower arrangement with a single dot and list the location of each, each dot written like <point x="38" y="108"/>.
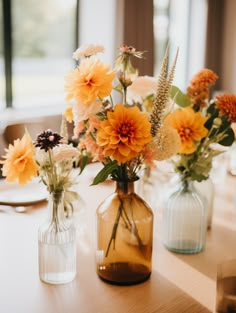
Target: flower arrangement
<point x="202" y="124"/>
<point x="124" y="135"/>
<point x="49" y="157"/>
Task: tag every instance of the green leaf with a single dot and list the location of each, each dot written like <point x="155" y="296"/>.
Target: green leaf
<point x="229" y="138"/>
<point x="105" y="172"/>
<point x="118" y="88"/>
<point x="180" y="98"/>
<point x="83" y="163"/>
<point x="211" y="109"/>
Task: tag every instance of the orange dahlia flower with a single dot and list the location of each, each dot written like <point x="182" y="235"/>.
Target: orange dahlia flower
<point x="92" y="79"/>
<point x="198" y="89"/>
<point x="205" y="77"/>
<point x="124" y="134"/>
<point x="20" y="164"/>
<point x="190" y="127"/>
<point x="227" y="106"/>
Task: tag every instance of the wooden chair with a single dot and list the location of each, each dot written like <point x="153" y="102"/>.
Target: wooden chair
<point x="15" y="131"/>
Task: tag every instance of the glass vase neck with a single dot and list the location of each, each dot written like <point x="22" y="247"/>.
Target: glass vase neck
<point x="125" y="187"/>
<point x="56" y="208"/>
<point x="185" y="183"/>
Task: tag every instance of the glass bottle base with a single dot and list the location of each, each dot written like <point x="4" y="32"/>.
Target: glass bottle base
<point x="185" y="247"/>
<point x="58" y="278"/>
<point x="122" y="273"/>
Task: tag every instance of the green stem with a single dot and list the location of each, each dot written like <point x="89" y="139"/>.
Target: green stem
<point x="115" y="226"/>
<point x="130" y="226"/>
<point x="54" y="174"/>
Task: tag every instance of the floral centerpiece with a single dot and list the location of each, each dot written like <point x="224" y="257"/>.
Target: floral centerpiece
<point x="50" y="158"/>
<point x="122" y="137"/>
<point x="203" y="125"/>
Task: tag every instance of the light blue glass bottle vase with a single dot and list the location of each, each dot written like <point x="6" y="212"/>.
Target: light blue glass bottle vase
<point x="184" y="221"/>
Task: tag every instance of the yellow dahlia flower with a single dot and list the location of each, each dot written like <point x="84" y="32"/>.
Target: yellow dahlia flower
<point x="124" y="134"/>
<point x="91" y="80"/>
<point x="20" y="164"/>
<point x="190" y="127"/>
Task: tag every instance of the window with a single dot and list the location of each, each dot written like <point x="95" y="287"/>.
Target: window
<point x="43" y="36"/>
<point x="177" y="22"/>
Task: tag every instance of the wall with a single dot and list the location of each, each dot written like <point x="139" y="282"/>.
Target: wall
<point x="229" y="48"/>
<point x="100" y="23"/>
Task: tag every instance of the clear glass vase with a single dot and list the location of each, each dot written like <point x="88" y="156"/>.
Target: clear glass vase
<point x="57" y="244"/>
<point x="232" y="159"/>
<point x="184" y="220"/>
<point x="124" y="237"/>
<point x="207" y="190"/>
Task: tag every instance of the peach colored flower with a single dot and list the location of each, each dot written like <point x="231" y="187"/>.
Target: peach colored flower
<point x="19" y="164"/>
<point x="190" y="127"/>
<point x="124" y="134"/>
<point x="149" y="154"/>
<point x="94" y="124"/>
<point x="92" y="147"/>
<point x="227" y="105"/>
<point x="64" y="152"/>
<point x="83" y="110"/>
<point x="87" y="51"/>
<point x="142" y="87"/>
<point x="78" y="129"/>
<point x="90" y="81"/>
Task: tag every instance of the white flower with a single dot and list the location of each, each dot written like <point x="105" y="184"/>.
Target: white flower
<point x="142" y="87"/>
<point x="64" y="152"/>
<point x="87" y="51"/>
<point x="82" y="111"/>
<point x="41" y="156"/>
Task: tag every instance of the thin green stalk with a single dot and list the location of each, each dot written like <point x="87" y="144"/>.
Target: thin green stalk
<point x="114" y="230"/>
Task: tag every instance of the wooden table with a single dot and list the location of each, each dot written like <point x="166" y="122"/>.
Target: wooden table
<point x="178" y="284"/>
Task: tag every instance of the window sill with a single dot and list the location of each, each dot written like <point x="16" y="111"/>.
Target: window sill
<point x="15" y="115"/>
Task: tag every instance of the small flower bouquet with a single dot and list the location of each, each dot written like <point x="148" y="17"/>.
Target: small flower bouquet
<point x="50" y="158"/>
<point x="123" y="136"/>
<point x="202" y="124"/>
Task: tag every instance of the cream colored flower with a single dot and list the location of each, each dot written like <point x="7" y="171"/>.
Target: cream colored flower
<point x="166" y="143"/>
<point x="87" y="51"/>
<point x="41" y="157"/>
<point x="64" y="152"/>
<point x="82" y="111"/>
<point x="141" y="88"/>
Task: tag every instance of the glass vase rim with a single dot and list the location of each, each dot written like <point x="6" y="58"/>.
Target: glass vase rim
<point x="125" y="180"/>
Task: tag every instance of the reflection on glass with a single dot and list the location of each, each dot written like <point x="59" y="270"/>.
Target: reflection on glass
<point x="43" y="42"/>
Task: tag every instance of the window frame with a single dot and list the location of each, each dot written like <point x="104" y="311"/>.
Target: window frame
<point x="8" y="48"/>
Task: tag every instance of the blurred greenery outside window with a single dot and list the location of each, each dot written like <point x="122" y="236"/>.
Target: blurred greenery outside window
<point x="43" y="38"/>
